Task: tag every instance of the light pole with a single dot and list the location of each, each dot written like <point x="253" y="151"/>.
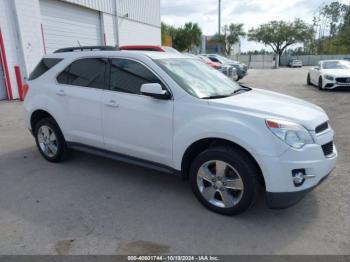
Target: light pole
<point x="219" y="24"/>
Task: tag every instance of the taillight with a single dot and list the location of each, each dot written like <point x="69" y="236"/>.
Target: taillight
<point x="25" y="89"/>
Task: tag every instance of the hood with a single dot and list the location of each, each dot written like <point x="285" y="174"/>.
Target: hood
<point x="269" y="104"/>
<point x="337" y="72"/>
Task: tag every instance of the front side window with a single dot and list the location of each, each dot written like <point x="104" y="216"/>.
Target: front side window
<point x="43" y="66"/>
<point x="89" y="72"/>
<point x="128" y="76"/>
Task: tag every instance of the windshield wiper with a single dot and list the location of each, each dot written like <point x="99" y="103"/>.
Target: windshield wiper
<point x="216" y="97"/>
<point x="242" y="88"/>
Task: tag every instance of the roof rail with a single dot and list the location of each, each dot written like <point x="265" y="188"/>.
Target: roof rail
<point x="87" y="48"/>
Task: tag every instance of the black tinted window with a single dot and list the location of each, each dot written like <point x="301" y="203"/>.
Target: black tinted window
<point x="43" y="66"/>
<point x="128" y="76"/>
<point x="214" y="59"/>
<point x="89" y="72"/>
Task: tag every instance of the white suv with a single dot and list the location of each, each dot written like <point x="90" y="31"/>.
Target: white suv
<point x="176" y="114"/>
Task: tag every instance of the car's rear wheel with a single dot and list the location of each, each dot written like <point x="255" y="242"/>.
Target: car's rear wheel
<point x="320" y="84"/>
<point x="308" y="80"/>
<point x="49" y="140"/>
<point x="224" y="179"/>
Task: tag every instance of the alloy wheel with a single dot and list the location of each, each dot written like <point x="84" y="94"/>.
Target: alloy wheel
<point x="220" y="184"/>
<point x="47" y="141"/>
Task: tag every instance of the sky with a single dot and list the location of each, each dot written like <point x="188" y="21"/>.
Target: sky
<point x="251" y="13"/>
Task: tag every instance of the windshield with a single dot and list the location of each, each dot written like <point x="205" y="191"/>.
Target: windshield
<point x="335" y="65"/>
<point x="224" y="59"/>
<point x="205" y="59"/>
<point x="197" y="78"/>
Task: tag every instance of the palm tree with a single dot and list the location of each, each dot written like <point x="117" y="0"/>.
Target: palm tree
<point x="193" y="34"/>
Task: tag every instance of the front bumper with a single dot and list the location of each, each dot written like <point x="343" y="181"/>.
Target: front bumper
<point x="334" y="84"/>
<point x="286" y="199"/>
<point x="278" y="171"/>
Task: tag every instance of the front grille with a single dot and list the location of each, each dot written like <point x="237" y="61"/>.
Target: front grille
<point x="321" y="127"/>
<point x="345" y="80"/>
<point x="328" y="148"/>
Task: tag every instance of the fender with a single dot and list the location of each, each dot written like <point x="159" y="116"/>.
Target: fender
<point x="41" y="101"/>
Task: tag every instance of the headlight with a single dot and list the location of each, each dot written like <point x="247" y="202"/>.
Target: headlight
<point x="328" y="77"/>
<point x="291" y="133"/>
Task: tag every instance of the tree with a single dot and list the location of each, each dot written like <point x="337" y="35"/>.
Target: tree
<point x="232" y="34"/>
<point x="168" y="30"/>
<point x="328" y="21"/>
<point x="192" y="35"/>
<point x="184" y="38"/>
<point x="280" y="34"/>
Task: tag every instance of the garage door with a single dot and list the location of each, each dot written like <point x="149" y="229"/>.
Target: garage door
<point x="2" y="85"/>
<point x="66" y="25"/>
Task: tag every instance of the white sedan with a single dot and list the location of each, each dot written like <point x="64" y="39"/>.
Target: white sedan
<point x="330" y="74"/>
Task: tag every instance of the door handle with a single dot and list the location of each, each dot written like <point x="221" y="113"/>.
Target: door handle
<point x="61" y="93"/>
<point x="112" y="103"/>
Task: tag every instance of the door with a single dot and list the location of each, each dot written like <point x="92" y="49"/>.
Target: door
<point x="3" y="94"/>
<point x="81" y="85"/>
<point x="136" y="125"/>
<point x="66" y="25"/>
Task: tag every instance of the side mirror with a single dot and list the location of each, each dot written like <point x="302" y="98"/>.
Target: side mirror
<point x="155" y="90"/>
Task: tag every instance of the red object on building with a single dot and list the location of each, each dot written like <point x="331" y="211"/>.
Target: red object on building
<point x="19" y="82"/>
<point x="3" y="61"/>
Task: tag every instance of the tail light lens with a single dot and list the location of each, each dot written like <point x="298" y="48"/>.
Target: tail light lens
<point x="25" y="89"/>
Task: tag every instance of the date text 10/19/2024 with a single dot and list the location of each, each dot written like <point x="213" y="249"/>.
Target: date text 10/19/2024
<point x="173" y="258"/>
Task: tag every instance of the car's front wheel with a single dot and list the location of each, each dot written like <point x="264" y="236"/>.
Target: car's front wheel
<point x="224" y="179"/>
<point x="49" y="140"/>
<point x="308" y="81"/>
<point x="320" y="83"/>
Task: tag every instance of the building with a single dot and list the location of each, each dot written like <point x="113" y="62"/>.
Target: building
<point x="31" y="28"/>
<point x="210" y="45"/>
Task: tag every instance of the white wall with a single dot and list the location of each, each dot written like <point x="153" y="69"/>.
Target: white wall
<point x="108" y="29"/>
<point x="134" y="33"/>
<point x="106" y="6"/>
<point x="144" y="11"/>
<point x="29" y="27"/>
<point x="20" y="23"/>
<point x="11" y="41"/>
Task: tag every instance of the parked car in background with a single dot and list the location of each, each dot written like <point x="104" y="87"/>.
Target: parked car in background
<point x="226" y="69"/>
<point x="210" y="63"/>
<point x="242" y="69"/>
<point x="156" y="48"/>
<point x="330" y="74"/>
<point x="175" y="114"/>
<point x="295" y="63"/>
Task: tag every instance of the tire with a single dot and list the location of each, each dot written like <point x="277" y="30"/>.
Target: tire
<point x="48" y="137"/>
<point x="308" y="81"/>
<point x="239" y="166"/>
<point x="320" y="84"/>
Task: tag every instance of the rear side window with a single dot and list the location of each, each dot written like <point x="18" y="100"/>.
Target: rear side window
<point x="214" y="59"/>
<point x="89" y="72"/>
<point x="43" y="66"/>
<point x="128" y="76"/>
